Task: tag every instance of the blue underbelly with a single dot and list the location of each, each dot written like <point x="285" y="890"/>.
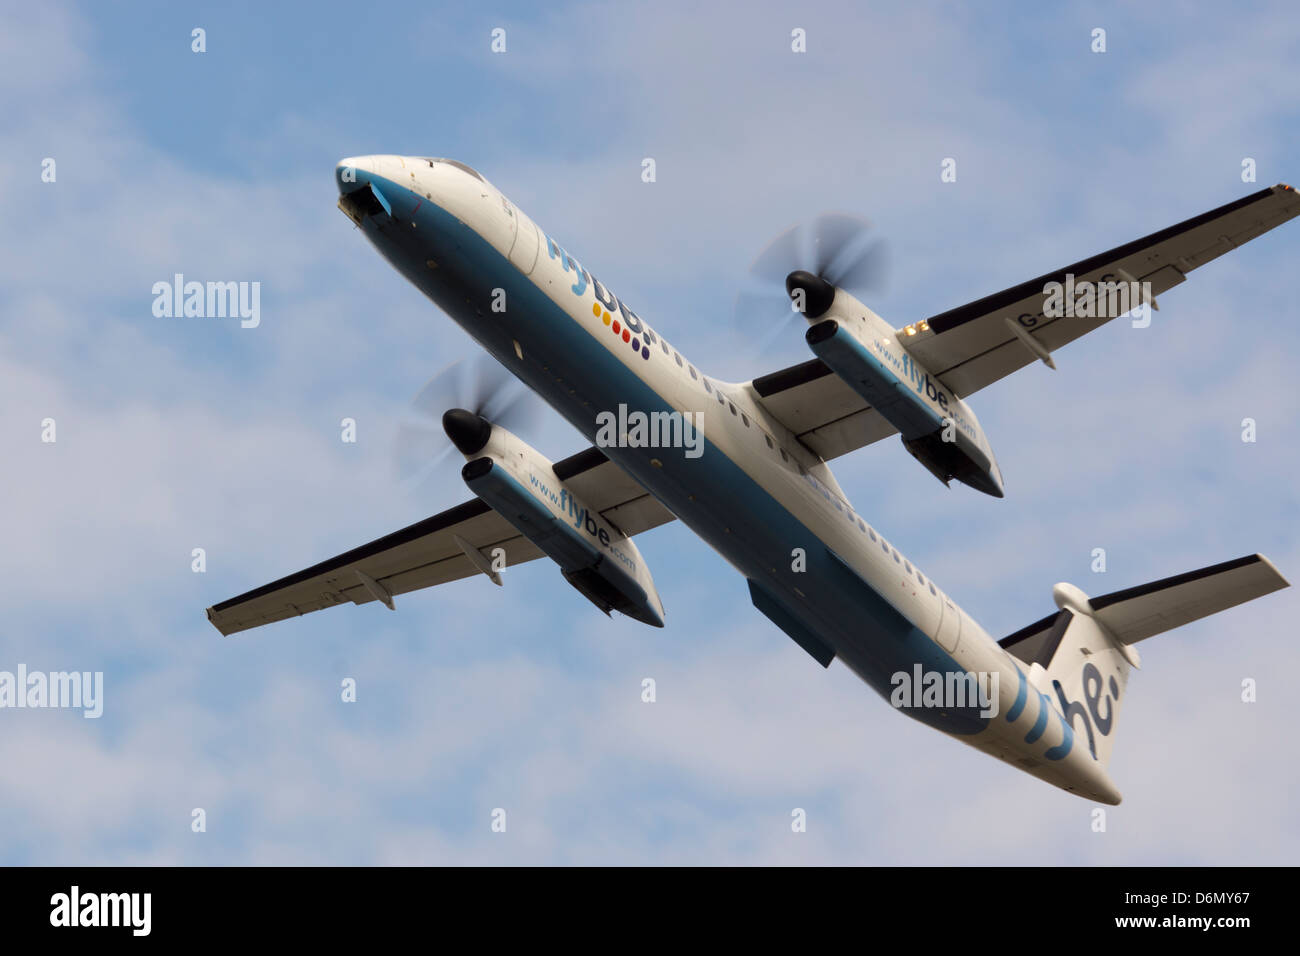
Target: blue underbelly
<point x="716" y="498"/>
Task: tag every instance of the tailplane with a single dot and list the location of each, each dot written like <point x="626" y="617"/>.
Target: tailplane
<point x="1080" y="657"/>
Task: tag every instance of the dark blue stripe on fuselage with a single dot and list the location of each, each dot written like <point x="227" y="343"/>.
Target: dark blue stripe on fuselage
<point x="713" y="495"/>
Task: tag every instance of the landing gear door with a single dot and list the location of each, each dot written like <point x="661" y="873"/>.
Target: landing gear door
<point x="949" y="625"/>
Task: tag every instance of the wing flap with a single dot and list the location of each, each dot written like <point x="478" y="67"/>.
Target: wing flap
<point x="609" y="489"/>
<point x="820" y="409"/>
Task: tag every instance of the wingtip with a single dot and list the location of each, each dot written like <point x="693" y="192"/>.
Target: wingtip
<point x="1283" y="582"/>
<point x="212" y="619"/>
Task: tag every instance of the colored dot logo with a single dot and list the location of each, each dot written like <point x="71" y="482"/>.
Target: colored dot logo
<point x="617" y="328"/>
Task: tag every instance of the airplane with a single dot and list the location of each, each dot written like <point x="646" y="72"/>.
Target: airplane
<point x="744" y="465"/>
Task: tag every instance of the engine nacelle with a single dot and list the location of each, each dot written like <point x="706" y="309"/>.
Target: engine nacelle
<point x="601" y="562"/>
<point x="937" y="427"/>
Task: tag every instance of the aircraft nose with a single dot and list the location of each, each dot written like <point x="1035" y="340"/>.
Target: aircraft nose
<point x="353" y="173"/>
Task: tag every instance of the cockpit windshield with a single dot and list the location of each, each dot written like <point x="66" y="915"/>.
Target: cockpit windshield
<point x="451" y="162"/>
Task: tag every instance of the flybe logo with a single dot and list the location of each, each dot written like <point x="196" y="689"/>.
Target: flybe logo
<point x="1100" y="700"/>
<point x="582" y="519"/>
<point x="622" y="322"/>
<point x="920" y="380"/>
<point x="1100" y="709"/>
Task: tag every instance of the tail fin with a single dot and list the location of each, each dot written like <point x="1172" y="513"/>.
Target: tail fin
<point x="1080" y="657"/>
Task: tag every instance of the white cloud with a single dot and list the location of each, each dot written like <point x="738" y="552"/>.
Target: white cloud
<point x="173" y="435"/>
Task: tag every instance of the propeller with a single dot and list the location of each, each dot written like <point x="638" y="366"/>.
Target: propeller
<point x="455" y="411"/>
<point x="833" y="250"/>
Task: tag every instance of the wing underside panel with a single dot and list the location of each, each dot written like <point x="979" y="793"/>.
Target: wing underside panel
<point x="431" y="552"/>
<point x="974" y="345"/>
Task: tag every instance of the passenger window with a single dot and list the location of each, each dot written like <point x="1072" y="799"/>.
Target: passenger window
<point x="693" y="375"/>
<point x="872" y="534"/>
<point x="721" y="400"/>
<point x="707" y="387"/>
<point x="884" y="544"/>
<point x="678" y="357"/>
<point x="919" y="577"/>
<point x="768" y="438"/>
<point x="861" y="526"/>
<point x="784" y="456"/>
<point x="732" y="407"/>
<point x="932" y="590"/>
<point x="744" y="418"/>
<point x="665" y="345"/>
<point x="908" y="566"/>
<point x="895" y="557"/>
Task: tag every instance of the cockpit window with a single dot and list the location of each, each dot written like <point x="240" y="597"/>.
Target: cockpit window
<point x="451" y="162"/>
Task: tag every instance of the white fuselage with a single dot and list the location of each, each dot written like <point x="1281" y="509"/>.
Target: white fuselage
<point x="756" y="494"/>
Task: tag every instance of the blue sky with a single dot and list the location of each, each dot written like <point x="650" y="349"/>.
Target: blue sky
<point x="183" y="433"/>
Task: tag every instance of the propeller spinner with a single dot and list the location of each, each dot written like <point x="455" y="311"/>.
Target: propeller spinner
<point x="456" y="409"/>
<point x="812" y="260"/>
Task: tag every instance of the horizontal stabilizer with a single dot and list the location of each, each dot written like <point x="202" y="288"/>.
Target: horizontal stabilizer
<point x="1135" y="614"/>
<point x="1081" y="655"/>
<point x="1038" y="642"/>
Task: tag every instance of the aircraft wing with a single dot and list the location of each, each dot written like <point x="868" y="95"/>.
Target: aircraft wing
<point x="974" y="345"/>
<point x="823" y="412"/>
<point x="428" y="552"/>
